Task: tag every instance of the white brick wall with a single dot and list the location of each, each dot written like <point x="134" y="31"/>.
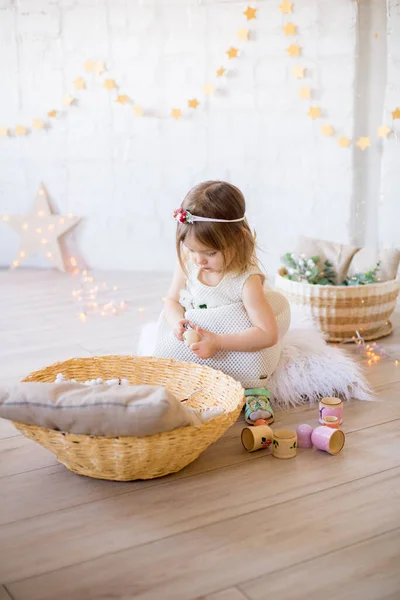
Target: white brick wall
<point x="125" y="175"/>
<point x="389" y="201"/>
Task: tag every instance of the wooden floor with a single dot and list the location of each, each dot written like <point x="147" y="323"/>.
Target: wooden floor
<point x="232" y="526"/>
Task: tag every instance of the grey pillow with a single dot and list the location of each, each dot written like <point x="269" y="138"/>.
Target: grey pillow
<point x="136" y="410"/>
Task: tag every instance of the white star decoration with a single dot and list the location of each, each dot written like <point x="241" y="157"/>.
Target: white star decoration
<point x="40" y="231"/>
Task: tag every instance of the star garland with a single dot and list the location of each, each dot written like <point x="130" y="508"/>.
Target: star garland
<point x="99" y="68"/>
<point x="315" y="112"/>
<point x="294" y="51"/>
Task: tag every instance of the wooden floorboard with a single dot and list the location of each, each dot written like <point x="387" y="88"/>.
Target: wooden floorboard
<point x="367" y="570"/>
<point x="231" y="526"/>
<point x="230" y="551"/>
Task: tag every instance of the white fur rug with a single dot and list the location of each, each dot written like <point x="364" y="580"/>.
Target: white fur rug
<point x="308" y="369"/>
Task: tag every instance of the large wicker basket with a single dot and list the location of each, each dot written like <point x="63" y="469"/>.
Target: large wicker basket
<point x="128" y="458"/>
<point x="340" y="311"/>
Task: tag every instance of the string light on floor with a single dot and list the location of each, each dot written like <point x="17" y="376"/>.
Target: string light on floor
<point x="372" y="352"/>
<point x="95" y="298"/>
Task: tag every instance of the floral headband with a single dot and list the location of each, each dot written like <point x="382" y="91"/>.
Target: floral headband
<point x="185" y="216"/>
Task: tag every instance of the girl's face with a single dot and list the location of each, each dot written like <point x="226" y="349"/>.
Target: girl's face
<point x="207" y="259"/>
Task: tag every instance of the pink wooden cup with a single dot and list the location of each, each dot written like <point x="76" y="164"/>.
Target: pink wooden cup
<point x="327" y="439"/>
<point x="330" y="407"/>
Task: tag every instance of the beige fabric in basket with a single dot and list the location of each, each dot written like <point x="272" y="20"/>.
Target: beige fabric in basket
<point x="96" y="410"/>
<point x="339" y="255"/>
<point x="366" y="259"/>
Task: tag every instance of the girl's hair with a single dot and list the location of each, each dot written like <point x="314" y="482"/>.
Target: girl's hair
<point x="219" y="200"/>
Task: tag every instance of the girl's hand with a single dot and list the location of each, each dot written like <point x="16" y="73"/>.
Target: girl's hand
<point x="208" y="345"/>
<point x="179" y="328"/>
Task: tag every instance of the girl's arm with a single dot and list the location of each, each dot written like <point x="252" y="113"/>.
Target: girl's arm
<point x="264" y="332"/>
<point x="174" y="312"/>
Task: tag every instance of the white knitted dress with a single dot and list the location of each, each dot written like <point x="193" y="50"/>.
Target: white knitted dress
<point x="220" y="309"/>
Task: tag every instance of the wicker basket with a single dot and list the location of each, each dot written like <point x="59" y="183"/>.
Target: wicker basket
<point x="340" y="311"/>
<point x="128" y="458"/>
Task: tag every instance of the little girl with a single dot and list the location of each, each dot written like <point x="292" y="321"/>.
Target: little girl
<point x="219" y="290"/>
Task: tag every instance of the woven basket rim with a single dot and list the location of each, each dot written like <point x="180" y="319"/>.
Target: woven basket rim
<point x="336" y="287"/>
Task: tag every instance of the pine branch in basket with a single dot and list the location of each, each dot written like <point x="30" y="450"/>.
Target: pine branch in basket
<point x="364" y="278"/>
<point x="301" y="268"/>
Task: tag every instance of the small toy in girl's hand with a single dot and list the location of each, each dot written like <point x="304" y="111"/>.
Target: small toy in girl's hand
<point x="191" y="336"/>
<point x="304" y="433"/>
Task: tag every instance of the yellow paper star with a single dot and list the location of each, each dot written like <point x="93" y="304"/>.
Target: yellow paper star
<point x="232" y="52"/>
<point x="138" y="110"/>
<point x="194" y="103"/>
<point x="250" y="13"/>
<point x="40" y="230"/>
<point x="305" y="93"/>
<point x="286" y="7"/>
<point x="299" y="72"/>
<point x="383" y="131"/>
<point x="122" y="99"/>
<point x="208" y="89"/>
<point x="314" y="112"/>
<point x="396" y="113"/>
<point x="363" y="143"/>
<point x="294" y="50"/>
<point x="69" y="100"/>
<point x="176" y="113"/>
<point x="38" y="124"/>
<point x="3" y="131"/>
<point x="290" y="29"/>
<point x="99" y="68"/>
<point x="110" y="84"/>
<point x="344" y="142"/>
<point x="220" y="71"/>
<point x="327" y="130"/>
<point x="52" y="113"/>
<point x="21" y="130"/>
<point x="89" y="66"/>
<point x="243" y="34"/>
<point x="79" y="83"/>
